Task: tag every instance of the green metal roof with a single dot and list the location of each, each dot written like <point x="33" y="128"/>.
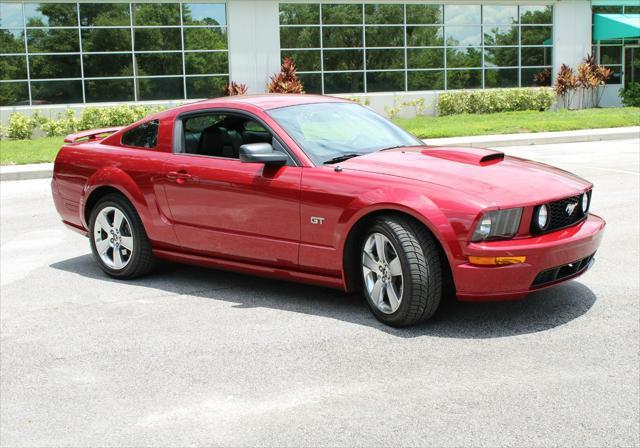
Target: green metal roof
<point x="615" y="26"/>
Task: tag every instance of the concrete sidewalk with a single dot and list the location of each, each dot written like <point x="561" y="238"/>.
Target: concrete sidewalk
<point x="44" y="170"/>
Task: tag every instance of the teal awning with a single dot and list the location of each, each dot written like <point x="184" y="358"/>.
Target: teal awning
<point x="615" y="26"/>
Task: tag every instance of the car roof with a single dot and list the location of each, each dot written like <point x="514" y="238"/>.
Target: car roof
<point x="271" y="100"/>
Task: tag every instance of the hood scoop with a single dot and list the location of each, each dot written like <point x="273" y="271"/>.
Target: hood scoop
<point x="471" y="156"/>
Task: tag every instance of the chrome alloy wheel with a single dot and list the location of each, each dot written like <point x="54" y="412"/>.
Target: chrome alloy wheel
<point x="382" y="273"/>
<point x="113" y="238"/>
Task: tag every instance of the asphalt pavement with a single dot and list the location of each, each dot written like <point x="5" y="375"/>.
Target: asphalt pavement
<point x="192" y="356"/>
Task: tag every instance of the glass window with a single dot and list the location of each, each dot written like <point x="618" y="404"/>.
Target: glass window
<point x="155" y="64"/>
<point x="611" y="55"/>
<point x="630" y="9"/>
<point x="299" y="14"/>
<point x="56" y="92"/>
<point x="335" y="60"/>
<point x="205" y="38"/>
<point x="464" y="57"/>
<point x="142" y="136"/>
<point x="339" y="14"/>
<point x="157" y="39"/>
<point x="156" y="14"/>
<point x="385" y="59"/>
<point x="52" y="67"/>
<point x="106" y="39"/>
<point x="328" y="130"/>
<point x="535" y="56"/>
<point x="462" y="15"/>
<point x="14" y="94"/>
<point x="306" y="60"/>
<point x="13" y="67"/>
<point x="312" y="82"/>
<point x="107" y="65"/>
<point x="345" y="36"/>
<point x="501" y="57"/>
<point x="205" y="86"/>
<point x="499" y="14"/>
<point x="343" y="83"/>
<point x="536" y="35"/>
<point x="425" y="80"/>
<point x="204" y="14"/>
<point x="108" y="90"/>
<point x="12" y="41"/>
<point x="50" y="14"/>
<point x="383" y="14"/>
<point x="425" y="57"/>
<point x="537" y="15"/>
<point x="424" y="36"/>
<point x="503" y="77"/>
<point x="424" y="14"/>
<point x="535" y="77"/>
<point x="300" y="37"/>
<point x="501" y="35"/>
<point x="156" y="89"/>
<point x="206" y="63"/>
<point x="104" y="14"/>
<point x="464" y="79"/>
<point x="463" y="35"/>
<point x="11" y="16"/>
<point x="384" y="36"/>
<point x="52" y="40"/>
<point x="385" y="81"/>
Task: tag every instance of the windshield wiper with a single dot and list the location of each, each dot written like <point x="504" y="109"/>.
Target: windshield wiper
<point x="342" y="158"/>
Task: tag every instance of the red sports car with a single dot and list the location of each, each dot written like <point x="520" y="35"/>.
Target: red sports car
<point x="321" y="190"/>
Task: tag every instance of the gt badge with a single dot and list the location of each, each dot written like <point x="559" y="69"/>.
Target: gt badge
<point x="317" y="220"/>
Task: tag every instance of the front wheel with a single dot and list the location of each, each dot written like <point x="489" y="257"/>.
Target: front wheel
<point x="118" y="240"/>
<point x="401" y="271"/>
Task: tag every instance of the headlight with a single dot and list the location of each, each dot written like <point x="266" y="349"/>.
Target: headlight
<point x="542" y="216"/>
<point x="585" y="202"/>
<point x="498" y="224"/>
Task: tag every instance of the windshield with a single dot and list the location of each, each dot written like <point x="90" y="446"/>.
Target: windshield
<point x="336" y="131"/>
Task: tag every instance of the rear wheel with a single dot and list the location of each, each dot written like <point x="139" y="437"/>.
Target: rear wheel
<point x="401" y="271"/>
<point x="118" y="240"/>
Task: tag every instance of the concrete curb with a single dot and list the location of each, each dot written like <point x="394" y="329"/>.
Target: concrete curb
<point x="45" y="170"/>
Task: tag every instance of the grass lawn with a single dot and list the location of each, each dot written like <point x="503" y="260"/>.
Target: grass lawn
<point x="519" y="122"/>
<point x="14" y="152"/>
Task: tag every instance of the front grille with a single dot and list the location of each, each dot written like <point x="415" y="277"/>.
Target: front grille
<point x="558" y="216"/>
<point x="561" y="272"/>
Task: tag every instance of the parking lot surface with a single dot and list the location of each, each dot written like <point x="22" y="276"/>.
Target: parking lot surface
<point x="192" y="356"/>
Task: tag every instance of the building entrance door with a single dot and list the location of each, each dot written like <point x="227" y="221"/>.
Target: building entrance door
<point x="631" y="64"/>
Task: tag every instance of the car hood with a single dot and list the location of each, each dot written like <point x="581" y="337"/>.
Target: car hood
<point x="484" y="173"/>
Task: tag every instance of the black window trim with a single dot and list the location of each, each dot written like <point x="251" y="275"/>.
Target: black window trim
<point x="178" y="134"/>
<point x="157" y="120"/>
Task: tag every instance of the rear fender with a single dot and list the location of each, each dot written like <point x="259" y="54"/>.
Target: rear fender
<point x="115" y="178"/>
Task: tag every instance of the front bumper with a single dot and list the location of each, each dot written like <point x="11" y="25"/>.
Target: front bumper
<point x="567" y="252"/>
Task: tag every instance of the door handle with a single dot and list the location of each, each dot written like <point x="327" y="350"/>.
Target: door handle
<point x="179" y="177"/>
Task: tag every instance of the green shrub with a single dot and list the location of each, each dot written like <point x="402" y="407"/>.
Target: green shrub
<point x="20" y="126"/>
<point x="66" y="123"/>
<point x="490" y="101"/>
<point x="631" y="94"/>
<point x="103" y="117"/>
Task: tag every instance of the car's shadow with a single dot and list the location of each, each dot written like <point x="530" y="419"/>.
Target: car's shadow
<point x="540" y="311"/>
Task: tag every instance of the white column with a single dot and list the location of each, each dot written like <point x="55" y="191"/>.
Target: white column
<point x="254" y="42"/>
<point x="571" y="33"/>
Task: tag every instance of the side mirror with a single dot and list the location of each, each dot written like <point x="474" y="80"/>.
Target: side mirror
<point x="262" y="153"/>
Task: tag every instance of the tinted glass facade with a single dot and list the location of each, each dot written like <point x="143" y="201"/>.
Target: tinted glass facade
<point x="95" y="52"/>
<point x="356" y="48"/>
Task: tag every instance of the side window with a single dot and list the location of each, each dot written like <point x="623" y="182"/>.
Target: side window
<point x="143" y="136"/>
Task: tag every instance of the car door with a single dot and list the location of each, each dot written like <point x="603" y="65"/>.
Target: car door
<point x="228" y="209"/>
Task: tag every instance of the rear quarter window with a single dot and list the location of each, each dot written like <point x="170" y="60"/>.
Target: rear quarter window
<point x="143" y="136"/>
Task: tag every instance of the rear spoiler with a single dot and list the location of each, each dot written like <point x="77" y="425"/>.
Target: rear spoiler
<point x="91" y="134"/>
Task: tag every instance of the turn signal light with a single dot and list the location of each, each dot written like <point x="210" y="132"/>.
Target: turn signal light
<point x="496" y="261"/>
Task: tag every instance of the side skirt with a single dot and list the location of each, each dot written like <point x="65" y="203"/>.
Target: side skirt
<point x="253" y="269"/>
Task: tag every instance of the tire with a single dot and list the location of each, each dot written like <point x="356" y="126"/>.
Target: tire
<point x="418" y="287"/>
<point x="122" y="251"/>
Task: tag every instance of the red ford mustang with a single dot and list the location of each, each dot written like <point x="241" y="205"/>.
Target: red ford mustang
<point x="324" y="191"/>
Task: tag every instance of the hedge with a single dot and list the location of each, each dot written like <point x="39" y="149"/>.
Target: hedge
<point x="490" y="101"/>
